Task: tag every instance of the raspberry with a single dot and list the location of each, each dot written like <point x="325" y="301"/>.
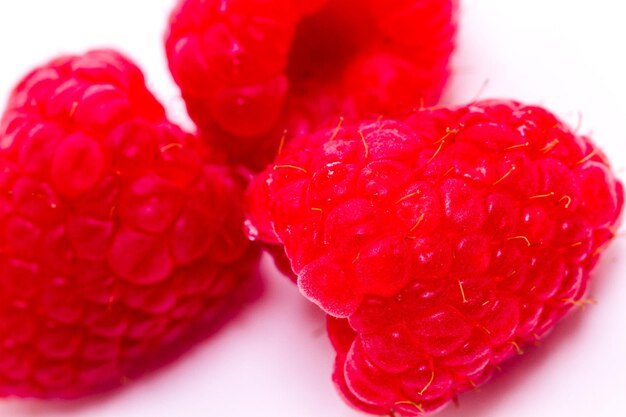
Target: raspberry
<point x="441" y="244"/>
<point x="250" y="69"/>
<point x="120" y="234"/>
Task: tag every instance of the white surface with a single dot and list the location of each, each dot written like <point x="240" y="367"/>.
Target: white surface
<point x="274" y="360"/>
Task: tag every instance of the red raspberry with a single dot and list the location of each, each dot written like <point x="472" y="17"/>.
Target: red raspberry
<point x="117" y="238"/>
<point x="249" y="69"/>
<point x="450" y="240"/>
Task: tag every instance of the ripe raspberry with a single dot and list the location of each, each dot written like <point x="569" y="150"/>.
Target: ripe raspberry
<point x="449" y="240"/>
<point x="249" y="69"/>
<point x="117" y="238"/>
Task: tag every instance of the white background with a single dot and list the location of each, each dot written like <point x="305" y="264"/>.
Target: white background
<point x="274" y="359"/>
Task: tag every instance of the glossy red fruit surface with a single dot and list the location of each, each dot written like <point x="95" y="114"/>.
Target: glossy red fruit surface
<point x="442" y="243"/>
<point x="119" y="232"/>
<point x="252" y="69"/>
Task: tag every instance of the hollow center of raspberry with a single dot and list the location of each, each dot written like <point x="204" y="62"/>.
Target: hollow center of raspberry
<point x="326" y="41"/>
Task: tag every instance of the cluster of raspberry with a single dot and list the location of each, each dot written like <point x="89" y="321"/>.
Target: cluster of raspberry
<point x="439" y="241"/>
